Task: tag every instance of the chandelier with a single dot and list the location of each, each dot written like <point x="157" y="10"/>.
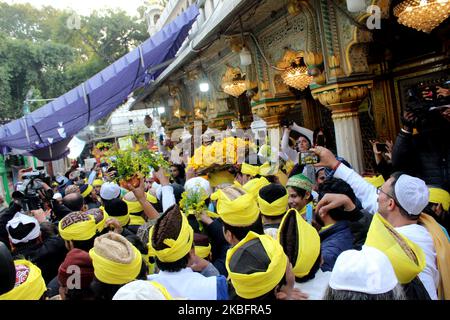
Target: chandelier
<point x="234" y="88"/>
<point x="422" y="15"/>
<point x="233" y="82"/>
<point x="296" y="75"/>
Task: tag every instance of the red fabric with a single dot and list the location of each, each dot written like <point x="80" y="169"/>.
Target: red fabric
<point x="81" y="259"/>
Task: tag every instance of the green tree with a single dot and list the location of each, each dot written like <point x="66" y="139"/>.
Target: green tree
<point x="37" y="49"/>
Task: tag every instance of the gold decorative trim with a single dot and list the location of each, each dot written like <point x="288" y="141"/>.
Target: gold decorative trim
<point x="344" y="115"/>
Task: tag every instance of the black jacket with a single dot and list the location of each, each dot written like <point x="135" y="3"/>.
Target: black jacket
<point x="47" y="255"/>
<point x="425" y="156"/>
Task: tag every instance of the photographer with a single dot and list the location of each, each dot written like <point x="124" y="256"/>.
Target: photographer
<point x="383" y="157"/>
<point x="427" y="153"/>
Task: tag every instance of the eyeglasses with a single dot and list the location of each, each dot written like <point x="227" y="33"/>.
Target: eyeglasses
<point x="381" y="190"/>
<point x="390" y="196"/>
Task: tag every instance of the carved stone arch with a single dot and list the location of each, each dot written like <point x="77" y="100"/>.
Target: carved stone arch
<point x="356" y="49"/>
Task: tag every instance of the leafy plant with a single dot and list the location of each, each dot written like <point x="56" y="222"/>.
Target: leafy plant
<point x="135" y="161"/>
<point x="103" y="145"/>
<point x="193" y="201"/>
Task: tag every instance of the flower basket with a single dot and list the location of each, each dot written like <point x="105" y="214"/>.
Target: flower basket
<point x="219" y="155"/>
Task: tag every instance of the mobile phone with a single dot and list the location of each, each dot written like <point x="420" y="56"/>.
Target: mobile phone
<point x="308" y="157"/>
<point x="382" y="147"/>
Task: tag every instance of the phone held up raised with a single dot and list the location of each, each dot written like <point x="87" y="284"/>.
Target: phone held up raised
<point x="308" y="157"/>
<point x="381" y="147"/>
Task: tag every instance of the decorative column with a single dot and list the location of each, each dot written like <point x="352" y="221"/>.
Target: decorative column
<point x="343" y="99"/>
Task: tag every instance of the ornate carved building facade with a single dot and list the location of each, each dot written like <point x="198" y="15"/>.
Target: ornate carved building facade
<point x="357" y="80"/>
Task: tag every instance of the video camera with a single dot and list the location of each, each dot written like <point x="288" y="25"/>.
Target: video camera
<point x="28" y="192"/>
<point x="424" y="97"/>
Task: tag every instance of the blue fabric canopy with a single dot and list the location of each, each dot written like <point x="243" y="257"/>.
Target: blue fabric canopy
<point x="100" y="95"/>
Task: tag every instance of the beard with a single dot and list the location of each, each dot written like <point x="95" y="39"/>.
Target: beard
<point x="318" y="220"/>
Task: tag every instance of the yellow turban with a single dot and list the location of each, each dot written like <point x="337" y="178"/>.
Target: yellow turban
<point x="114" y="246"/>
<point x="97" y="182"/>
<point x="249" y="169"/>
<point x="275" y="208"/>
<point x="307" y="239"/>
<point x="254" y="185"/>
<point x="135" y="206"/>
<point x="282" y="177"/>
<point x="202" y="251"/>
<point x="219" y="177"/>
<point x="266" y="169"/>
<point x="88" y="191"/>
<point x="32" y="289"/>
<point x="240" y="212"/>
<point x="406" y="257"/>
<point x="100" y="222"/>
<point x="256" y="284"/>
<point x="375" y="181"/>
<point x="77" y="226"/>
<point x="441" y="196"/>
<point x="177" y="248"/>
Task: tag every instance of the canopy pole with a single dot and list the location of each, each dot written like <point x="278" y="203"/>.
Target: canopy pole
<point x="87" y="101"/>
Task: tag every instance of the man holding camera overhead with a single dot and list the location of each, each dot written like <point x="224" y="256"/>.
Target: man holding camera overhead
<point x="422" y="147"/>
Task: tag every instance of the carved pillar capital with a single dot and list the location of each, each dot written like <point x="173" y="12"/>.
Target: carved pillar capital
<point x="272" y="112"/>
<point x="342" y="98"/>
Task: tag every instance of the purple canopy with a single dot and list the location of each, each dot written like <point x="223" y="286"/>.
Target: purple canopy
<point x="98" y="96"/>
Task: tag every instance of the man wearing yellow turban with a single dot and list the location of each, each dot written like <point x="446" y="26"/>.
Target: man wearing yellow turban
<point x="259" y="270"/>
<point x="171" y="241"/>
<point x="438" y="207"/>
<point x="301" y="243"/>
<point x="136" y="211"/>
<point x="273" y="203"/>
<point x="116" y="262"/>
<point x="239" y="213"/>
<point x="19" y="279"/>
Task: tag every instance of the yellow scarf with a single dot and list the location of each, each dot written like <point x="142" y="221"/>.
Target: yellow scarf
<point x="240" y="212"/>
<point x="101" y="224"/>
<point x="87" y="191"/>
<point x="177" y="248"/>
<point x="442" y="247"/>
<point x="406" y="257"/>
<point x="79" y="231"/>
<point x="202" y="251"/>
<point x="112" y="272"/>
<point x="249" y="286"/>
<point x="135" y="206"/>
<point x="441" y="196"/>
<point x="32" y="289"/>
<point x="163" y="290"/>
<point x="375" y="181"/>
<point x="136" y="220"/>
<point x="308" y="244"/>
<point x="275" y="208"/>
<point x="254" y="185"/>
<point x="249" y="169"/>
<point x="97" y="182"/>
<point x="266" y="169"/>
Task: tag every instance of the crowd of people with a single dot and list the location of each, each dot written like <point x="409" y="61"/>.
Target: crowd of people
<point x="277" y="230"/>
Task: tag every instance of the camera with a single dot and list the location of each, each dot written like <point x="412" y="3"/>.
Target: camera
<point x="28" y="191"/>
<point x="308" y="157"/>
<point x="425" y="97"/>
